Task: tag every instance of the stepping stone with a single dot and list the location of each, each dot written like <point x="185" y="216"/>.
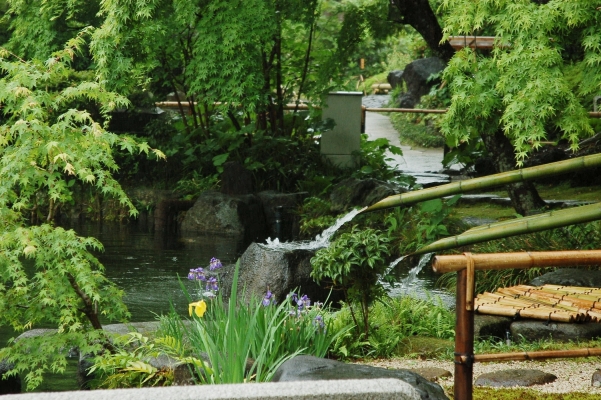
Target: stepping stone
<point x="515" y="377"/>
<point x="432" y="374"/>
<point x="596" y="379"/>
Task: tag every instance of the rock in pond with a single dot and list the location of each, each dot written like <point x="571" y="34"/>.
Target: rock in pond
<point x="279" y="270"/>
<point x="309" y="368"/>
<point x="515" y="377"/>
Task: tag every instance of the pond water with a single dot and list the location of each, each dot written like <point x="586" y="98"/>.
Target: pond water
<point x="147" y="266"/>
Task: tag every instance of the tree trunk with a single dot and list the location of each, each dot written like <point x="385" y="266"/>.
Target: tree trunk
<point x="524" y="196"/>
<point x="420" y="16"/>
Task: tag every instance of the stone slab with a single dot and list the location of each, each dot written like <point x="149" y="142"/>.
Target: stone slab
<point x="374" y="389"/>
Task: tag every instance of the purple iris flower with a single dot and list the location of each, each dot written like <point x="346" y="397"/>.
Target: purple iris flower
<point x="303" y="302"/>
<point x="197" y="274"/>
<point x="268" y="299"/>
<point x="318" y="321"/>
<point x="214" y="264"/>
<point x="212" y="284"/>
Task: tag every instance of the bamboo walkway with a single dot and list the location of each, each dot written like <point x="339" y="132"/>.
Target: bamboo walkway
<point x="548" y="302"/>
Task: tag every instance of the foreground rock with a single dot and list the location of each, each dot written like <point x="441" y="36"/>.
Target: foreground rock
<point x="309" y="368"/>
<point x="515" y="377"/>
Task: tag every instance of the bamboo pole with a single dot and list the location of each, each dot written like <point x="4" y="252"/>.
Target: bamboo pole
<point x="520" y="175"/>
<point x="464" y="341"/>
<point x="537" y="355"/>
<point x="521" y="260"/>
<point x="553" y="219"/>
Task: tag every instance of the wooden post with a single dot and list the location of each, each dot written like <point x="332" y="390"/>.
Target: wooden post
<point x="464" y="340"/>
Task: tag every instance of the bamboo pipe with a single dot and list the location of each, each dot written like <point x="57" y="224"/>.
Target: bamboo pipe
<point x="553" y="219"/>
<point x="519" y="175"/>
<point x="535" y="355"/>
<point x="496" y="261"/>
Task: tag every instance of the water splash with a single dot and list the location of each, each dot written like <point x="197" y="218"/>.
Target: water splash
<point x="425" y="259"/>
<point x="391" y="266"/>
<point x="321" y="240"/>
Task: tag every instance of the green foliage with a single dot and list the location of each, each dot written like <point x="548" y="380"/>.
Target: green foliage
<point x="47" y="274"/>
<point x="373" y="159"/>
<point x="37" y="28"/>
<point x="393" y="322"/>
<point x="539" y="80"/>
<point x="412" y="228"/>
<point x="423" y="130"/>
<point x="129" y="367"/>
<point x="241" y="342"/>
<point x="356" y="262"/>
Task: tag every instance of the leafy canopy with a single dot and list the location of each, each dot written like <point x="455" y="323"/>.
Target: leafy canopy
<point x="47" y="274"/>
<point x="536" y="84"/>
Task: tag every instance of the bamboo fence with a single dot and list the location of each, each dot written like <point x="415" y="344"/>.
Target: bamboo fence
<point x="548" y="302"/>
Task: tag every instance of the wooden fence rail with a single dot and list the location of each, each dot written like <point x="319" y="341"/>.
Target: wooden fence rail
<point x="465" y="266"/>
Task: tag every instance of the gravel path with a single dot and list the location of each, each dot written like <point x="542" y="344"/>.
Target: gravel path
<point x="572" y="376"/>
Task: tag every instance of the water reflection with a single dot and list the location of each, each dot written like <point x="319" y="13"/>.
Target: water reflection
<point x="146" y="265"/>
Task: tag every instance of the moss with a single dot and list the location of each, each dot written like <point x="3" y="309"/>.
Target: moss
<point x="527" y="394"/>
<point x="425" y="347"/>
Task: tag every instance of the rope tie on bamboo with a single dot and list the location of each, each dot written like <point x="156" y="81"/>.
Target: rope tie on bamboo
<point x="464" y="358"/>
<point x="470" y="282"/>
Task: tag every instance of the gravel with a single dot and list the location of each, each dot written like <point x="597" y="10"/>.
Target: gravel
<point x="572" y="376"/>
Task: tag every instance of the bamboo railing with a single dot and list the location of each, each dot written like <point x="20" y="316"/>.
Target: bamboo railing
<point x="550" y="298"/>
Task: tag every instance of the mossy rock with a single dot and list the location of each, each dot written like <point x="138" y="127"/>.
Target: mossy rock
<point x="424" y="347"/>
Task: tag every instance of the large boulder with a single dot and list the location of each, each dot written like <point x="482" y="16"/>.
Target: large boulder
<point x="395" y="79"/>
<point x="309" y="368"/>
<point x="353" y="192"/>
<point x="569" y="277"/>
<point x="280" y="270"/>
<point x="532" y="330"/>
<point x="240" y="216"/>
<point x="416" y="75"/>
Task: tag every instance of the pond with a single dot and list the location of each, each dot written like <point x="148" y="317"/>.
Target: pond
<point x="147" y="266"/>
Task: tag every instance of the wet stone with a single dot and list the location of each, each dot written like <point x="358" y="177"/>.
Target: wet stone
<point x="596" y="379"/>
<point x="515" y="377"/>
<point x="531" y="330"/>
<point x="309" y="368"/>
<point x="491" y="326"/>
<point x="569" y="277"/>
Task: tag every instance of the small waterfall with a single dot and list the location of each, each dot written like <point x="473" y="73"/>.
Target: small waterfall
<point x="391" y="266"/>
<point x="321" y="240"/>
<point x="425" y="259"/>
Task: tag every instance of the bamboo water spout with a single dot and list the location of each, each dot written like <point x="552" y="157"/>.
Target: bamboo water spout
<point x="504" y="178"/>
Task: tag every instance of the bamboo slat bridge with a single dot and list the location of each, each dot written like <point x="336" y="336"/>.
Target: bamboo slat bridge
<point x="465" y="266"/>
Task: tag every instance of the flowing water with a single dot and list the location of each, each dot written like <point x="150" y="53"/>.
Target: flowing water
<point x="321" y="240"/>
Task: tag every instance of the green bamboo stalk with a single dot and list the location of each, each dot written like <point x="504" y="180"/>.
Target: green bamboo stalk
<point x="504" y="178"/>
<point x="535" y="223"/>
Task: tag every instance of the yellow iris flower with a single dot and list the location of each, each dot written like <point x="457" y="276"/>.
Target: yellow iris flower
<point x="199" y="308"/>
